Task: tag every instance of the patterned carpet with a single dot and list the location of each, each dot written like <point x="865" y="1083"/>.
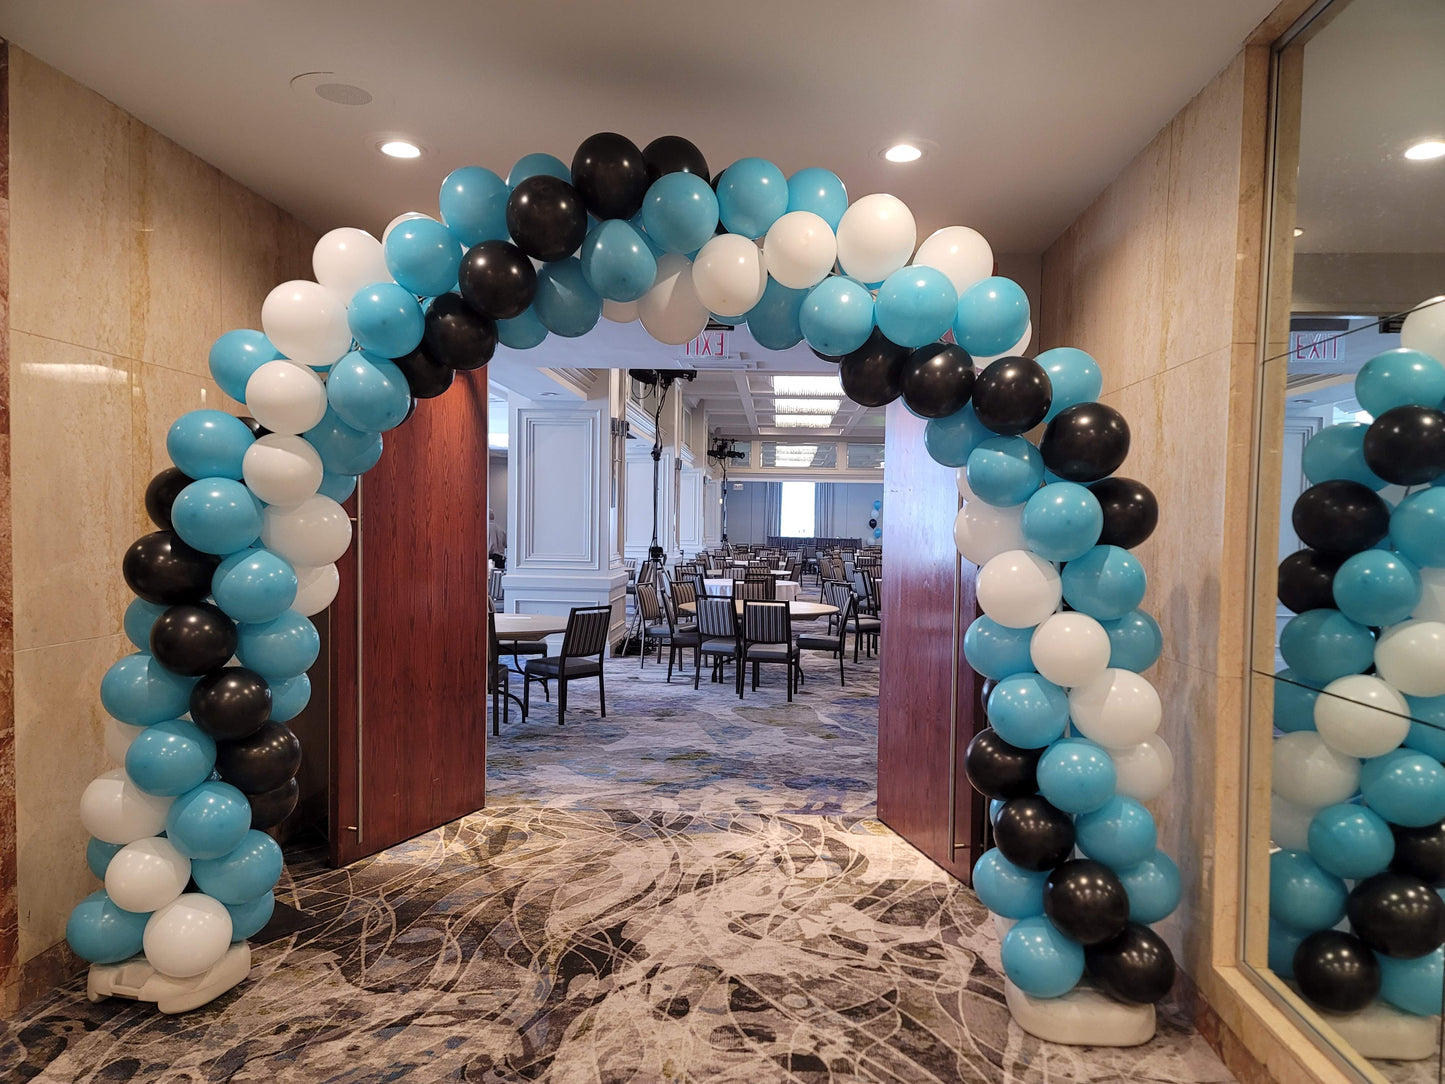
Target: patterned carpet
<point x="691" y="890"/>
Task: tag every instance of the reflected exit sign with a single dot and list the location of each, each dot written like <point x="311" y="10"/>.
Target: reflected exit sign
<point x="1315" y="345"/>
<point x="710" y="344"/>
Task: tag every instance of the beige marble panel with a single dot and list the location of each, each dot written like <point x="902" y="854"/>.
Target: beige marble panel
<point x="71" y="479"/>
<point x="70" y="232"/>
<point x="59" y="749"/>
<point x="250" y="254"/>
<point x="158" y="397"/>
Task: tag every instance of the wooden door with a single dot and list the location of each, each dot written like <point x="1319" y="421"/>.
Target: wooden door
<point x="409" y="632"/>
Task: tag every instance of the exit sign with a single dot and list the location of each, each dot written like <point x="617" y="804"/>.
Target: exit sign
<point x="710" y="344"/>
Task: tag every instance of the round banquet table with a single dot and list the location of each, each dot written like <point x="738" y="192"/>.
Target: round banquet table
<point x="787" y="590"/>
<point x="530" y="626"/>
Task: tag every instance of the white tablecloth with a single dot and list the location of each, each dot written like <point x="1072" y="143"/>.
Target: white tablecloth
<point x="787" y="589"/>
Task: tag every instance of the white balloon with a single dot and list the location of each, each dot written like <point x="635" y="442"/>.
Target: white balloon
<point x="619" y="312"/>
<point x="282" y="469"/>
<point x="960" y="253"/>
<point x="1070" y="648"/>
<point x="187" y="936"/>
<point x="1289" y="823"/>
<point x="286" y="398"/>
<point x="1411" y="657"/>
<point x="316" y="588"/>
<point x="118" y="736"/>
<point x="671" y="311"/>
<point x="1143" y="771"/>
<point x="1308" y="772"/>
<point x="315" y="532"/>
<point x="1016" y="350"/>
<point x="728" y="274"/>
<point x="347" y="259"/>
<point x="1116" y="709"/>
<point x="115" y="810"/>
<point x="876" y="236"/>
<point x="146" y="875"/>
<point x="1431" y="606"/>
<point x="1361" y="716"/>
<point x="307" y="322"/>
<point x="800" y="250"/>
<point x="405" y="216"/>
<point x="1018" y="589"/>
<point x="1424" y="329"/>
<point x="960" y="479"/>
<point x="982" y="532"/>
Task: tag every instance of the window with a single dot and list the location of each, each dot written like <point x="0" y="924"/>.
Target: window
<point x="797" y="509"/>
<point x="799" y="456"/>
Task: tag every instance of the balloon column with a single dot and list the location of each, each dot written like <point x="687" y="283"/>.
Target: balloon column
<point x="1359" y="791"/>
<point x="873" y="524"/>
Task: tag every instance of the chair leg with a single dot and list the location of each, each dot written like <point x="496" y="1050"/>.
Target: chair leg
<point x="755" y="677"/>
<point x="842" y="678"/>
<point x="671" y="655"/>
<point x="526" y="694"/>
<point x="601" y="694"/>
<point x="561" y="698"/>
<point x="697" y="664"/>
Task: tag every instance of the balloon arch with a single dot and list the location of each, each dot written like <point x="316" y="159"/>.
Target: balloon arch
<point x="249" y="526"/>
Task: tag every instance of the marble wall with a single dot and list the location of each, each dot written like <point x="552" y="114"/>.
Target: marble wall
<point x="128" y="257"/>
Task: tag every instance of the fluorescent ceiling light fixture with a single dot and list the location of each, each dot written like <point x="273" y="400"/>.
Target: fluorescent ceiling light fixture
<point x="1299" y="231"/>
<point x="1425" y="150"/>
<point x="807" y="385"/>
<point x="802" y="421"/>
<point x="400" y="148"/>
<point x="806" y="406"/>
<point x="903" y="152"/>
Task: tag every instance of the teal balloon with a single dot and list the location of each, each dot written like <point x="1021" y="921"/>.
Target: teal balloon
<point x="140" y="615"/>
<point x="1077" y="775"/>
<point x="98" y="854"/>
<point x="473" y="204"/>
<point x="102" y="933"/>
<point x="1005" y="471"/>
<point x="1405" y="787"/>
<point x="565" y="303"/>
<point x="877" y="506"/>
<point x="1400" y="377"/>
<point x="991" y="316"/>
<point x="1377" y="587"/>
<point x="343" y="448"/>
<point x="1121" y="833"/>
<point x="209" y="820"/>
<point x="368" y="393"/>
<point x="774" y="320"/>
<point x="994" y="805"/>
<point x="208" y="444"/>
<point x="877" y="532"/>
<point x="1062" y="521"/>
<point x="140" y="691"/>
<point x="680" y="212"/>
<point x="385" y="320"/>
<point x="1106" y="583"/>
<point x="1074" y="378"/>
<point x="1427" y="726"/>
<point x="290" y="697"/>
<point x="1283" y="942"/>
<point x="235" y="356"/>
<point x="915" y="305"/>
<point x="531" y="165"/>
<point x="951" y="440"/>
<point x="1153" y="886"/>
<point x="1028" y="710"/>
<point x="337" y="486"/>
<point x="170" y="758"/>
<point x="1338" y="451"/>
<point x="1135" y="641"/>
<point x="995" y="651"/>
<point x="837" y="316"/>
<point x="1007" y="890"/>
<point x="617" y="261"/>
<point x="216" y="515"/>
<point x="1041" y="961"/>
<point x="1417" y="528"/>
<point x="423" y="256"/>
<point x="248" y="870"/>
<point x="1294" y="701"/>
<point x="1321" y="645"/>
<point x="752" y="194"/>
<point x="1302" y="894"/>
<point x="1351" y="841"/>
<point x="254" y="585"/>
<point x="521" y="332"/>
<point x="250" y="918"/>
<point x="280" y="648"/>
<point x="1413" y="986"/>
<point x="820" y="191"/>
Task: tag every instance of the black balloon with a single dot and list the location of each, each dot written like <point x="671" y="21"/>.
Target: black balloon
<point x="1131" y="511"/>
<point x="1012" y="395"/>
<point x="231" y="703"/>
<point x="162" y="492"/>
<point x="193" y="638"/>
<point x="1397" y="915"/>
<point x="872" y="523"/>
<point x="1136" y="967"/>
<point x="497" y="280"/>
<point x="426" y="377"/>
<point x="1420" y="852"/>
<point x="1307" y="579"/>
<point x="673" y="154"/>
<point x="610" y="173"/>
<point x="1032" y="834"/>
<point x="1086" y="442"/>
<point x="457" y="336"/>
<point x="1340" y="517"/>
<point x="163" y="570"/>
<point x="261" y="762"/>
<point x="985" y="690"/>
<point x="872" y="374"/>
<point x="1000" y="770"/>
<point x="834" y="358"/>
<point x="546" y="217"/>
<point x="936" y="380"/>
<point x="1336" y="971"/>
<point x="1086" y="901"/>
<point x="1406" y="445"/>
<point x="257" y="429"/>
<point x="271" y="807"/>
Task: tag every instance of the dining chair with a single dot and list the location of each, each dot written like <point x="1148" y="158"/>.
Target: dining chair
<point x="494" y="585"/>
<point x="650" y="624"/>
<point x="683" y="593"/>
<point x="586" y="636"/>
<point x="717" y="630"/>
<point x="680" y="636"/>
<point x="767" y="636"/>
<point x="499" y="678"/>
<point x="765" y="590"/>
<point x="834" y="641"/>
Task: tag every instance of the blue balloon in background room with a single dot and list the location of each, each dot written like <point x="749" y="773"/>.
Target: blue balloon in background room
<point x="1282" y="944"/>
<point x="1413" y="986"/>
<point x="235" y="356"/>
<point x="1074" y="378"/>
<point x="915" y="306"/>
<point x="1076" y="775"/>
<point x="1376" y="587"/>
<point x="208" y="444"/>
<point x="1153" y="887"/>
<point x="1121" y="833"/>
<point x="290" y="697"/>
<point x="877" y="506"/>
<point x="1106" y="583"/>
<point x="991" y="316"/>
<point x="752" y="194"/>
<point x="1338" y="451"/>
<point x="1302" y="895"/>
<point x="1004" y="471"/>
<point x="995" y="651"/>
<point x="774" y="320"/>
<point x="1427" y="725"/>
<point x="617" y="262"/>
<point x="423" y="256"/>
<point x="1062" y="521"/>
<point x="140" y="691"/>
<point x="1028" y="711"/>
<point x="1294" y="701"/>
<point x="98" y="854"/>
<point x="280" y="648"/>
<point x="140" y="615"/>
<point x="820" y="191"/>
<point x="385" y="319"/>
<point x="1405" y="787"/>
<point x="250" y="918"/>
<point x="1417" y="528"/>
<point x="368" y="392"/>
<point x="209" y="820"/>
<point x="216" y="515"/>
<point x="877" y="532"/>
<point x="1039" y="960"/>
<point x="337" y="486"/>
<point x="170" y="758"/>
<point x="565" y="304"/>
<point x="521" y="332"/>
<point x="343" y="448"/>
<point x="102" y="933"/>
<point x="473" y="204"/>
<point x="1400" y="377"/>
<point x="1351" y="841"/>
<point x="530" y="165"/>
<point x="247" y="871"/>
<point x="680" y="212"/>
<point x="1007" y="890"/>
<point x="1321" y="645"/>
<point x="837" y="316"/>
<point x="1135" y="641"/>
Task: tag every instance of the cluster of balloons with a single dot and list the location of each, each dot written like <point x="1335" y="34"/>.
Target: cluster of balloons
<point x="873" y="520"/>
<point x="1358" y="804"/>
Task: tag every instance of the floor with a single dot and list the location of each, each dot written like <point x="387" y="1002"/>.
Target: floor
<point x="693" y="889"/>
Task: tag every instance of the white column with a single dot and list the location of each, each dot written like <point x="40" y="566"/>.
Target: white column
<point x="691" y="497"/>
<point x="711" y="511"/>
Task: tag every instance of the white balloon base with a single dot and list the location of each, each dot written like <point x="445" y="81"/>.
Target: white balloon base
<point x="1383" y="1032"/>
<point x="1082" y="1017"/>
<point x="138" y="980"/>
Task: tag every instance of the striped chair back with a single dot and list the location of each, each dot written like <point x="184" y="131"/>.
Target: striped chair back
<point x="759" y="590"/>
<point x="647" y="602"/>
<point x="586" y="633"/>
<point x="716" y="619"/>
<point x="494" y="584"/>
<point x="683" y="593"/>
<point x="738" y="572"/>
<point x="767" y="623"/>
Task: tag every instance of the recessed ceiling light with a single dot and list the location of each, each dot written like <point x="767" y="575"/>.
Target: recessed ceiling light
<point x="1299" y="231"/>
<point x="806" y="406"/>
<point x="1425" y="150"/>
<point x="807" y="385"/>
<point x="802" y="421"/>
<point x="903" y="152"/>
<point x="399" y="148"/>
